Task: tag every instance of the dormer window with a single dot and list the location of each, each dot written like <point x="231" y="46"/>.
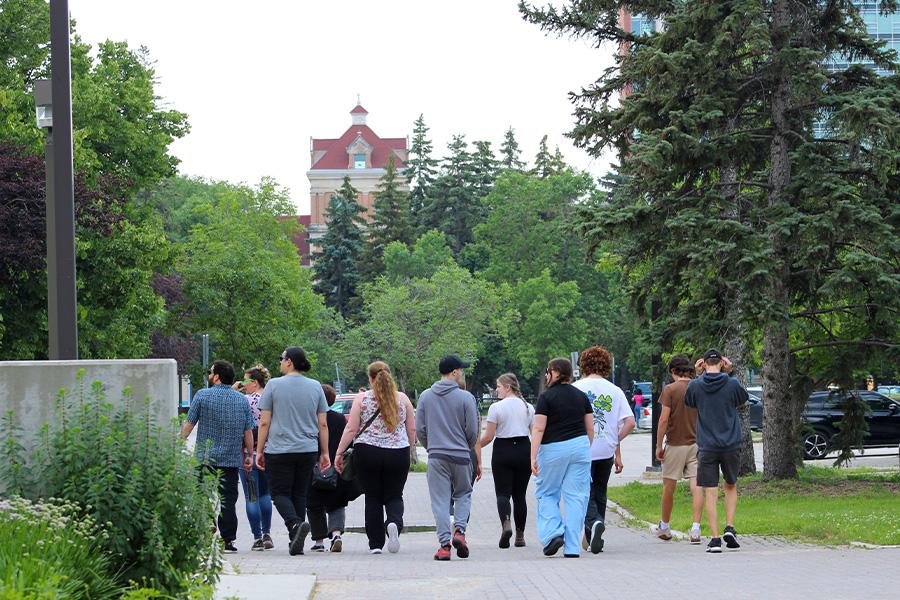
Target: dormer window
<point x="359" y="161"/>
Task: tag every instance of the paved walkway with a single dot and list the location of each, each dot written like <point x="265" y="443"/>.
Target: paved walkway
<point x="633" y="565"/>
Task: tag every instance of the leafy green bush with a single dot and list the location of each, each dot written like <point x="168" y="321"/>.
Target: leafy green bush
<point x="133" y="478"/>
<point x="49" y="551"/>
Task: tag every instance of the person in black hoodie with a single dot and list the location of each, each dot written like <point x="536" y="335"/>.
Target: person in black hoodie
<point x="716" y="397"/>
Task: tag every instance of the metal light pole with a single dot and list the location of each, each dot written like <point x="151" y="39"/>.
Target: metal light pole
<point x="53" y="102"/>
<point x="204" y="341"/>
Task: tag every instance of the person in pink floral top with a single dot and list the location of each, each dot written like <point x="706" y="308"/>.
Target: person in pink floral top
<point x="259" y="511"/>
<point x="381" y="454"/>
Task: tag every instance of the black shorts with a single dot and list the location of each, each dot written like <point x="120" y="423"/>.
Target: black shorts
<point x="708" y="464"/>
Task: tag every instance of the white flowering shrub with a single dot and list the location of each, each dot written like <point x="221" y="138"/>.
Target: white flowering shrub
<point x="49" y="550"/>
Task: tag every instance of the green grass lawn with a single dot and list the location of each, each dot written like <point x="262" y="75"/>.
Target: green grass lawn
<point x="823" y="505"/>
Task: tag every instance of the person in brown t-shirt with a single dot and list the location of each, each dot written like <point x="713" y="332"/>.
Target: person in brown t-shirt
<point x="678" y="427"/>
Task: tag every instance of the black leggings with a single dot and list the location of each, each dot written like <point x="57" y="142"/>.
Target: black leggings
<point x="382" y="473"/>
<point x="511" y="463"/>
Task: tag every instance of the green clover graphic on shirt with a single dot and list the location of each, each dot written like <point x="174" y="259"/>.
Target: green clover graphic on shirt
<point x="601" y="406"/>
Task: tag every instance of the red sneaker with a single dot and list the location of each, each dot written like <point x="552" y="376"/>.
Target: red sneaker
<point x="443" y="553"/>
<point x="459" y="542"/>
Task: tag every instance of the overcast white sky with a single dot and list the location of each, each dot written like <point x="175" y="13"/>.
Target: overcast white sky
<point x="258" y="79"/>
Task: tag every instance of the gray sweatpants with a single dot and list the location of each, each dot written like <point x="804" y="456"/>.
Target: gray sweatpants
<point x="446" y="481"/>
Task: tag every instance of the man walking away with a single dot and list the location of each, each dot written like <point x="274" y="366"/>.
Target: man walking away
<point x="447" y="425"/>
<point x="716" y="397"/>
<point x="293" y="433"/>
<point x="226" y="424"/>
<point x="678" y="426"/>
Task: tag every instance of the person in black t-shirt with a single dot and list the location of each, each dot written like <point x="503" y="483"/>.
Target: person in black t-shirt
<point x="561" y="459"/>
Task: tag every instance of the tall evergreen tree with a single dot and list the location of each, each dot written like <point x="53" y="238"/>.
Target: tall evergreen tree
<point x="390" y="222"/>
<point x="543" y="161"/>
<point x="558" y="162"/>
<point x="510" y="152"/>
<point x="760" y="224"/>
<point x="454" y="207"/>
<point x="484" y="168"/>
<point x="337" y="260"/>
<point x="421" y="169"/>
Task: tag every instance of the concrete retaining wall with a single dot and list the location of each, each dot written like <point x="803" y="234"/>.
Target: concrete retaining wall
<point x="30" y="387"/>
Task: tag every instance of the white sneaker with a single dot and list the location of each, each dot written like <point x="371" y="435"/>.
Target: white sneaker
<point x="663" y="533"/>
<point x="393" y="541"/>
<point x="375" y="551"/>
<point x="695" y="535"/>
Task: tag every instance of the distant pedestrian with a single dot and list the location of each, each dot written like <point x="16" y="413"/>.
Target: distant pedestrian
<point x="716" y="397"/>
<point x="638" y="400"/>
<point x="678" y="429"/>
<point x="327" y="509"/>
<point x="509" y="427"/>
<point x="447" y="425"/>
<point x="225" y="426"/>
<point x="612" y="422"/>
<point x="561" y="459"/>
<point x="383" y="425"/>
<point x="293" y="434"/>
<point x="257" y="499"/>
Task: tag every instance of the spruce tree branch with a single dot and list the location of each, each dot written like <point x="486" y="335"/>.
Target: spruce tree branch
<point x="833" y="343"/>
<point x="849" y="308"/>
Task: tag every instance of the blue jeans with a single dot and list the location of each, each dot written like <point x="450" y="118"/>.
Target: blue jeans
<point x="259" y="513"/>
<point x="564" y="471"/>
<point x="637" y="415"/>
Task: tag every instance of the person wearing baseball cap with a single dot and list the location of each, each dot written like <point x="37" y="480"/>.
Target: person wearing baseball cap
<point x="716" y="396"/>
<point x="447" y="425"/>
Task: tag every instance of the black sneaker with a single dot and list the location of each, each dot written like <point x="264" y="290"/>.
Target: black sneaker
<point x="298" y="538"/>
<point x="229" y="548"/>
<point x="317" y="547"/>
<point x="258" y="545"/>
<point x="268" y="544"/>
<point x="714" y="545"/>
<point x="596" y="542"/>
<point x="554" y="545"/>
<point x="730" y="537"/>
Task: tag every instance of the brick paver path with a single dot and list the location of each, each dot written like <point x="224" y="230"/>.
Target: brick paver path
<point x="633" y="565"/>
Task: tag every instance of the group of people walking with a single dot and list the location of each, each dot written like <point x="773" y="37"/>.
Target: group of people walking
<point x="289" y="450"/>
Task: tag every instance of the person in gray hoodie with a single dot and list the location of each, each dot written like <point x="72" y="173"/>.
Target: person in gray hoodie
<point x="716" y="396"/>
<point x="447" y="425"/>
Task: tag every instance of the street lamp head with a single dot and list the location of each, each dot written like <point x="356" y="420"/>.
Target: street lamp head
<point x="43" y="103"/>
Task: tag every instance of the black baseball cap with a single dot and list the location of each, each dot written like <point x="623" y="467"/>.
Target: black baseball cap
<point x="712" y="353"/>
<point x="450" y="363"/>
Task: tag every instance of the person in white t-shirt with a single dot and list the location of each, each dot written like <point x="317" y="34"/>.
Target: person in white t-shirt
<point x="509" y="422"/>
<point x="613" y="421"/>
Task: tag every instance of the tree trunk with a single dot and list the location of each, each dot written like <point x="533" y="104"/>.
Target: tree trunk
<point x="779" y="421"/>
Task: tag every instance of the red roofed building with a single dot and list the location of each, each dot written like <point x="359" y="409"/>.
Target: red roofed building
<point x="301" y="238"/>
<point x="359" y="153"/>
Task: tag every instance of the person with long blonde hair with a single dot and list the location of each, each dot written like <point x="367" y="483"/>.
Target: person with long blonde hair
<point x="509" y="427"/>
<point x="381" y="428"/>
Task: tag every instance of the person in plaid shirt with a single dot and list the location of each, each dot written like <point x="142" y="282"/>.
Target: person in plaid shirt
<point x="224" y="440"/>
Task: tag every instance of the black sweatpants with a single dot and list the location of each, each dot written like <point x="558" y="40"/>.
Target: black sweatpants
<point x="511" y="464"/>
<point x="596" y="509"/>
<point x="228" y="495"/>
<point x="382" y="472"/>
<point x="289" y="477"/>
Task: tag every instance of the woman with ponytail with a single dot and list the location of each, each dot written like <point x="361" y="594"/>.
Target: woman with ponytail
<point x="386" y="419"/>
<point x="509" y="422"/>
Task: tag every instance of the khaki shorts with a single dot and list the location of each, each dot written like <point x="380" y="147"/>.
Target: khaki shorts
<point x="680" y="462"/>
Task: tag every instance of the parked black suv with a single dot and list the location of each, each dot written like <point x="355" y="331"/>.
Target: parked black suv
<point x="823" y="412"/>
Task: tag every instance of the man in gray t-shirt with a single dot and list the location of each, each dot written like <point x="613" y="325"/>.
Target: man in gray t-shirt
<point x="293" y="433"/>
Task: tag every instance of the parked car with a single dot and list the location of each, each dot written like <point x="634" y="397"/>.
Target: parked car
<point x="754" y="402"/>
<point x="823" y="412"/>
<point x="342" y="404"/>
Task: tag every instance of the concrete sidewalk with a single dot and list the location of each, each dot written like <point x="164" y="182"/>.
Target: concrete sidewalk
<point x="633" y="565"/>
